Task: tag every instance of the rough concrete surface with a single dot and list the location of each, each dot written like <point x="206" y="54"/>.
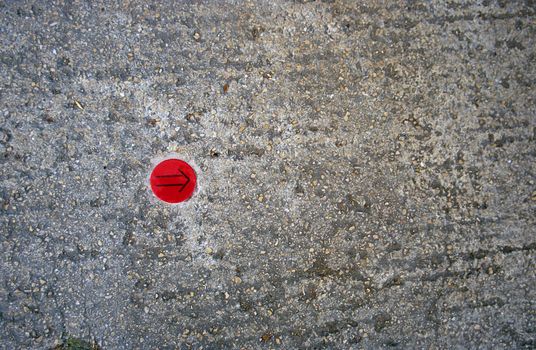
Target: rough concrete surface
<point x="366" y="174"/>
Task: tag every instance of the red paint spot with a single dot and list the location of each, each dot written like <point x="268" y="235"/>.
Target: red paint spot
<point x="173" y="181"/>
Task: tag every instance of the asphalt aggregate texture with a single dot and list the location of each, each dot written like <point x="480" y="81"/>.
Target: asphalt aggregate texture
<point x="366" y="174"/>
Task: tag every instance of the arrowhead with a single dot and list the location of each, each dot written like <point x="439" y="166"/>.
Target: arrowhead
<point x="187" y="180"/>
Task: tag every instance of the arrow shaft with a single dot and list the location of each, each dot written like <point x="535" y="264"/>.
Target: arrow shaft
<point x="170" y="176"/>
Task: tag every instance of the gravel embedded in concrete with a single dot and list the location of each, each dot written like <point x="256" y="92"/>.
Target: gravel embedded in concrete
<point x="366" y="174"/>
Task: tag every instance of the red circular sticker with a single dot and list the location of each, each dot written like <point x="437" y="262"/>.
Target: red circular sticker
<point x="173" y="181"/>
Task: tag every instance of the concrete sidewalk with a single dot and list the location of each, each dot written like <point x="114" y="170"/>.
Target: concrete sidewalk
<point x="366" y="174"/>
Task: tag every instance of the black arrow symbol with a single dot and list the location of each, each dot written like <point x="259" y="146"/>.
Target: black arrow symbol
<point x="182" y="186"/>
